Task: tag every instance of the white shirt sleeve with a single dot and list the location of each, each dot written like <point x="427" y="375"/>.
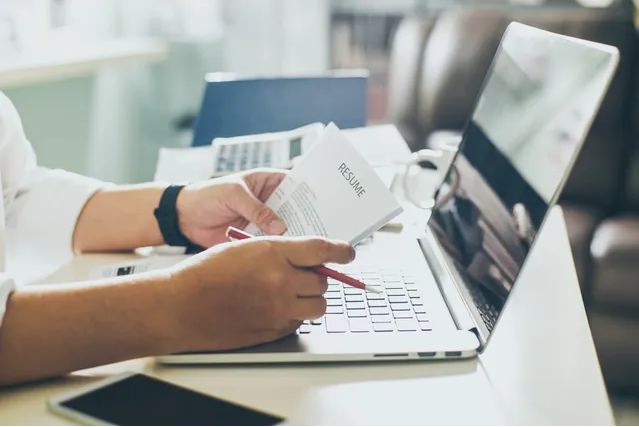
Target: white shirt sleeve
<point x="42" y="218"/>
<point x="41" y="206"/>
<point x="6" y="287"/>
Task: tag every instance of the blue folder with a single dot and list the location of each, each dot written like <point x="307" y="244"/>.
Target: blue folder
<point x="234" y="107"/>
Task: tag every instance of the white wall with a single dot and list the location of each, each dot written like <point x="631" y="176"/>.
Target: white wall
<point x="277" y="36"/>
<point x="112" y="124"/>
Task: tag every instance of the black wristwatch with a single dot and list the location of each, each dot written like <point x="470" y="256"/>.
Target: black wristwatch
<point x="168" y="222"/>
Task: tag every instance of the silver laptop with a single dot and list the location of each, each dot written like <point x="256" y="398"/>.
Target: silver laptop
<point x="443" y="294"/>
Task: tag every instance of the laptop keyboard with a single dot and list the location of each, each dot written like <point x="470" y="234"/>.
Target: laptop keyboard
<point x="486" y="308"/>
<point x="399" y="308"/>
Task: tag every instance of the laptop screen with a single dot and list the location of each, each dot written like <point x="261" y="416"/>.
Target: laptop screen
<point x="528" y="124"/>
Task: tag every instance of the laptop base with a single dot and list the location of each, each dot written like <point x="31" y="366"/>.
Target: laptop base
<point x="342" y="348"/>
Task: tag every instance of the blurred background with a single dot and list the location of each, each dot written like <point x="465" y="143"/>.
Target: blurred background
<point x="102" y="84"/>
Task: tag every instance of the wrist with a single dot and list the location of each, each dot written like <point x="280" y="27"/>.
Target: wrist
<point x="181" y="210"/>
<point x="170" y="217"/>
<point x="195" y="299"/>
<point x="165" y="312"/>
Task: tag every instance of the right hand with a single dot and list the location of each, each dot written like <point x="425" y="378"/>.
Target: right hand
<point x="254" y="291"/>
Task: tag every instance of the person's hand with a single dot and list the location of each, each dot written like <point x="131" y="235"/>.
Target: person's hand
<point x="253" y="291"/>
<point x="206" y="209"/>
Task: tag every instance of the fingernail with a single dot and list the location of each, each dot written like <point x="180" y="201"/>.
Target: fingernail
<point x="277" y="226"/>
<point x="353" y="253"/>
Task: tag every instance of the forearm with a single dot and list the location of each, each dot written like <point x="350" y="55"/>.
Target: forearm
<point x="120" y="218"/>
<point x="52" y="330"/>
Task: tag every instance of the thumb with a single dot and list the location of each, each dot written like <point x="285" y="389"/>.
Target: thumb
<point x="253" y="210"/>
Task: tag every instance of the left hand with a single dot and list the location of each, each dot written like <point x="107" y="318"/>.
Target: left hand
<point x="206" y="209"/>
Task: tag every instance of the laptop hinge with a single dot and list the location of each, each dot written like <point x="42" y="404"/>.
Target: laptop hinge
<point x="480" y="339"/>
<point x="450" y="291"/>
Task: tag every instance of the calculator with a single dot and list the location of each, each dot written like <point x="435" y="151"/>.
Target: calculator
<point x="269" y="150"/>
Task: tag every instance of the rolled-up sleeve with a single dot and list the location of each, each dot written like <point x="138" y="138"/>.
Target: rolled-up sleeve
<point x="39" y="210"/>
<point x="42" y="218"/>
<point x="41" y="206"/>
<point x="6" y="286"/>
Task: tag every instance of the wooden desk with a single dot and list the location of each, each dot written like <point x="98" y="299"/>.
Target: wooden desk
<point x="539" y="368"/>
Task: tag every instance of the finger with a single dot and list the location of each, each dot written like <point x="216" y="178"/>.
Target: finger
<point x="307" y="252"/>
<point x="270" y="335"/>
<point x="308" y="308"/>
<point x="289" y="329"/>
<point x="292" y="327"/>
<point x="308" y="284"/>
<point x="248" y="206"/>
<point x="264" y="182"/>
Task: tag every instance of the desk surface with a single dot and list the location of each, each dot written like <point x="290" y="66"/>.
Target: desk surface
<point x="540" y="367"/>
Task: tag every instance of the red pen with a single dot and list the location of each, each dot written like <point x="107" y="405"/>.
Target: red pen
<point x="235" y="234"/>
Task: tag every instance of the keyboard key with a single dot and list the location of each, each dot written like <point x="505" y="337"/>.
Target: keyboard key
<point x="371" y="296"/>
<point x="392" y="279"/>
<point x="411" y="287"/>
<point x="422" y="318"/>
<point x="395" y="292"/>
<point x="413" y="294"/>
<point x="334" y="310"/>
<point x="317" y="321"/>
<point x="352" y="291"/>
<point x="406" y="325"/>
<point x="369" y="276"/>
<point x="305" y="329"/>
<point x="419" y="309"/>
<point x="354" y="298"/>
<point x="374" y="311"/>
<point x="403" y="314"/>
<point x="400" y="307"/>
<point x="306" y="322"/>
<point x="416" y="302"/>
<point x="357" y="313"/>
<point x="335" y="287"/>
<point x="336" y="323"/>
<point x="334" y="302"/>
<point x="372" y="282"/>
<point x="382" y="318"/>
<point x="333" y="295"/>
<point x="355" y="305"/>
<point x="409" y="279"/>
<point x="397" y="299"/>
<point x="360" y="324"/>
<point x="393" y="285"/>
<point x="332" y="281"/>
<point x="378" y="288"/>
<point x="383" y="327"/>
<point x="377" y="303"/>
<point x="425" y="326"/>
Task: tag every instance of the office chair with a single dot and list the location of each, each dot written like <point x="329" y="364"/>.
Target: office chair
<point x="244" y="106"/>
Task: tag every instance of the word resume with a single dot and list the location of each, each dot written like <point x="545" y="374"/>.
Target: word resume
<point x="333" y="192"/>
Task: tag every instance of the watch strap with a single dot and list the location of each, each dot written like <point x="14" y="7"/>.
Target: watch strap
<point x="167" y="218"/>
